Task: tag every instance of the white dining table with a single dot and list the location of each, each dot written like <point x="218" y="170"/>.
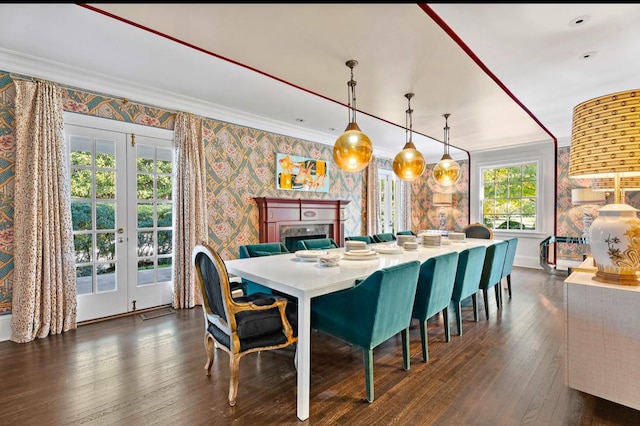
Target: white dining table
<point x="306" y="279"/>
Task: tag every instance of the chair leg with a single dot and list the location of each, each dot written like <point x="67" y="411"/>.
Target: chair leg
<point x="406" y="349"/>
<point x="474" y="299"/>
<point x="509" y="284"/>
<point x="458" y="308"/>
<point x="208" y="345"/>
<point x="234" y="363"/>
<point x="447" y="330"/>
<point x="498" y="291"/>
<point x="368" y="372"/>
<point x="425" y="342"/>
<point x="486" y="303"/>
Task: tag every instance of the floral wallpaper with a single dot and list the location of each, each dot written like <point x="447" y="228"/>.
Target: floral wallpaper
<point x="240" y="164"/>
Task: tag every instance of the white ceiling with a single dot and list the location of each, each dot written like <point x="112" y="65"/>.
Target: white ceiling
<point x="268" y="65"/>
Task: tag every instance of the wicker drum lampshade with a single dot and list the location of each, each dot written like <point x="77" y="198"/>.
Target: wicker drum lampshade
<point x="605" y="143"/>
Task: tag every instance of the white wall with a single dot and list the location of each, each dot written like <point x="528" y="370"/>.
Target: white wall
<point x="5" y="327"/>
<point x="544" y="153"/>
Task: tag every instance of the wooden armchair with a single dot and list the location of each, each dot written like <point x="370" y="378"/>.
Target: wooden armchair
<point x="241" y="325"/>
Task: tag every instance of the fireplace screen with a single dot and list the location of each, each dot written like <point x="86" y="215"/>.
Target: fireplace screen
<point x="301" y="173"/>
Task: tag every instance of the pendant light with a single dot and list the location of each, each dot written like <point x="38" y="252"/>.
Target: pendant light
<point x="409" y="163"/>
<point x="352" y="150"/>
<point x="447" y="172"/>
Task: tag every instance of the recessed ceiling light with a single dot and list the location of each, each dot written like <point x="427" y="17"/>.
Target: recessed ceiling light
<point x="300" y="120"/>
<point x="331" y="129"/>
<point x="580" y="20"/>
<point x="587" y="55"/>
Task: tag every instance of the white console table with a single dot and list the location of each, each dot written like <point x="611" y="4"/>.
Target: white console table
<point x="602" y="330"/>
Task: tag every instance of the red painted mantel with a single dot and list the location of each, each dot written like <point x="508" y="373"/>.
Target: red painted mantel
<point x="276" y="212"/>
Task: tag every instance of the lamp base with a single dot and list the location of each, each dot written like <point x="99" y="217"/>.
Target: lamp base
<point x="615" y="244"/>
<point x="614" y="278"/>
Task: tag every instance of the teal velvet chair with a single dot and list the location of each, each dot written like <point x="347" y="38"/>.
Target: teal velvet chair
<point x="317" y="244"/>
<point x="374" y="310"/>
<point x="508" y="261"/>
<point x="492" y="273"/>
<point x="365" y="238"/>
<point x="433" y="294"/>
<point x="467" y="284"/>
<point x="408" y="232"/>
<point x="256" y="250"/>
<point x="383" y="238"/>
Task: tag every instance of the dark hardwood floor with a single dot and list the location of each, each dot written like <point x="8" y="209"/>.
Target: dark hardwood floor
<point x="126" y="371"/>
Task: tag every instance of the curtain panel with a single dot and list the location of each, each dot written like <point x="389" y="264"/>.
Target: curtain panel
<point x="44" y="293"/>
<point x="189" y="211"/>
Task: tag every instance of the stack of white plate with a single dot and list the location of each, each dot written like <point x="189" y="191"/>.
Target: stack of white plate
<point x="401" y="239"/>
<point x="360" y="254"/>
<point x="431" y="240"/>
<point x="310" y="255"/>
<point x="457" y="237"/>
<point x="355" y="245"/>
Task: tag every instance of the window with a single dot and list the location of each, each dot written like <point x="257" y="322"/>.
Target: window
<point x="509" y="197"/>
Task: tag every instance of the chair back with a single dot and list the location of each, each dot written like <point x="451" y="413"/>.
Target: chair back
<point x="383" y="238"/>
<point x="407" y="232"/>
<point x="510" y="256"/>
<point x="435" y="285"/>
<point x="261" y="249"/>
<point x="468" y="273"/>
<point x="367" y="239"/>
<point x="317" y="244"/>
<point x="213" y="280"/>
<point x="493" y="263"/>
<point x="478" y="230"/>
<point x="372" y="311"/>
<point x="258" y="250"/>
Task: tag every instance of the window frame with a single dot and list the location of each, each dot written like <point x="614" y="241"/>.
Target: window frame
<point x="538" y="197"/>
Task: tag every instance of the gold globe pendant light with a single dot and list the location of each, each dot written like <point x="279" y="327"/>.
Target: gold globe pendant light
<point x="409" y="163"/>
<point x="353" y="149"/>
<point x="447" y="172"/>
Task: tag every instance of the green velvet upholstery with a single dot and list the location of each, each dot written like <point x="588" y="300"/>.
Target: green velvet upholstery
<point x="407" y="232"/>
<point x="257" y="250"/>
<point x="492" y="273"/>
<point x="433" y="294"/>
<point x="371" y="312"/>
<point x="508" y="261"/>
<point x="365" y="238"/>
<point x="384" y="238"/>
<point x="317" y="244"/>
<point x="467" y="282"/>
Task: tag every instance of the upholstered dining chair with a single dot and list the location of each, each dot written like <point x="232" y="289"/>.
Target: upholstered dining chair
<point x="374" y="310"/>
<point x="492" y="273"/>
<point x="508" y="261"/>
<point x="257" y="250"/>
<point x="433" y="294"/>
<point x="383" y="238"/>
<point x="478" y="230"/>
<point x="365" y="238"/>
<point x="239" y="325"/>
<point x="467" y="282"/>
<point x="317" y="244"/>
<point x="407" y="232"/>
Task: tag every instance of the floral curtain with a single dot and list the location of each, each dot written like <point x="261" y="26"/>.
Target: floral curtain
<point x="373" y="198"/>
<point x="44" y="293"/>
<point x="189" y="214"/>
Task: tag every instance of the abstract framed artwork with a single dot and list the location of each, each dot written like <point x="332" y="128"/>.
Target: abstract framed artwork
<point x="301" y="173"/>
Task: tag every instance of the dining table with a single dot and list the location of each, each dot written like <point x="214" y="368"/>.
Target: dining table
<point x="306" y="278"/>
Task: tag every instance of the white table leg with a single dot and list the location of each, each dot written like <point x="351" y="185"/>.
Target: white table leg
<point x="304" y="357"/>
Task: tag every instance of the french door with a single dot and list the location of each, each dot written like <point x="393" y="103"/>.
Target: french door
<point x="121" y="207"/>
<point x="389" y="205"/>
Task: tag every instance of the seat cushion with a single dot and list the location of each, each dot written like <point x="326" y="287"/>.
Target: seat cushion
<point x="252" y="324"/>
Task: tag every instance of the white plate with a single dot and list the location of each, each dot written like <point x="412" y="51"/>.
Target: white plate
<point x="360" y="251"/>
<point x="310" y="254"/>
<point x="389" y="250"/>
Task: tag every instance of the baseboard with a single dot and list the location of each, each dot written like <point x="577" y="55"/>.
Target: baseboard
<point x="5" y="327"/>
